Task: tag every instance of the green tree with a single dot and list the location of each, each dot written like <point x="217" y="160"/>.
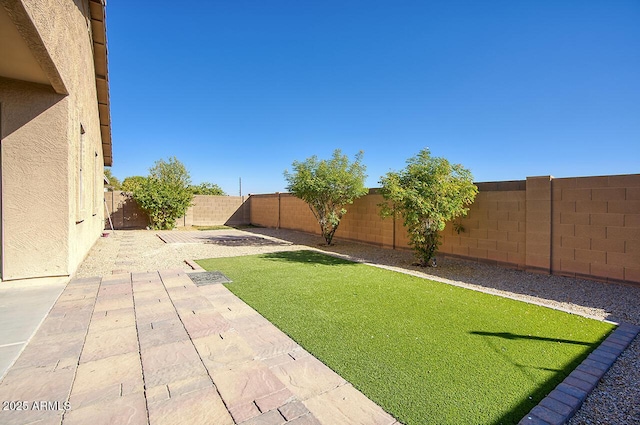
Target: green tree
<point x="129" y="184"/>
<point x="328" y="186"/>
<point x="429" y="192"/>
<point x="207" y="188"/>
<point x="114" y="183"/>
<point x="165" y="194"/>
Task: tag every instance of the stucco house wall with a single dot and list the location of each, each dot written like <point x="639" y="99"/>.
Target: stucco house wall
<point x="52" y="135"/>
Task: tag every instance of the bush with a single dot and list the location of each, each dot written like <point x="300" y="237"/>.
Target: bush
<point x="428" y="193"/>
<point x="207" y="188"/>
<point x="327" y="186"/>
<point x="165" y="194"/>
<point x="129" y="184"/>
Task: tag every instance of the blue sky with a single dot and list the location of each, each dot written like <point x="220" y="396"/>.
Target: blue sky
<point x="240" y="89"/>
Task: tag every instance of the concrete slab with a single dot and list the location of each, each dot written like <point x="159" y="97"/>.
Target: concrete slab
<point x="8" y="354"/>
<point x="23" y="306"/>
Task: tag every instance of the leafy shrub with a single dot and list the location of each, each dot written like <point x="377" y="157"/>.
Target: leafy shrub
<point x="207" y="188"/>
<point x="328" y="186"/>
<point x="429" y="192"/>
<point x="165" y="194"/>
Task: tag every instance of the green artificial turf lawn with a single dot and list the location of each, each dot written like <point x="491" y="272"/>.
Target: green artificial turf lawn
<point x="425" y="351"/>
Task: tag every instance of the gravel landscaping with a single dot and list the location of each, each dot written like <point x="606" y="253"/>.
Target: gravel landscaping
<point x="614" y="401"/>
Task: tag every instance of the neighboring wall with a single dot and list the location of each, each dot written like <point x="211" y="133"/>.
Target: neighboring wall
<point x="584" y="227"/>
<point x="207" y="210"/>
<point x="123" y="211"/>
<point x="596" y="227"/>
<point x="495" y="230"/>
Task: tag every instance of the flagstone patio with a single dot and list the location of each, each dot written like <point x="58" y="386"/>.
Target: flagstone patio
<point x="154" y="348"/>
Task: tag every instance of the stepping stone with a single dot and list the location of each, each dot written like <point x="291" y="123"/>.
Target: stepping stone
<point x="207" y="278"/>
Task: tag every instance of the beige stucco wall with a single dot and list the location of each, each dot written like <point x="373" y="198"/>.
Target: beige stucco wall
<point x="35" y="231"/>
<point x="49" y="221"/>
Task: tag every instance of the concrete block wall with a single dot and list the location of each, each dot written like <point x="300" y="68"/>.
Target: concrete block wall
<point x="586" y="227"/>
<point x="363" y="222"/>
<point x="538" y="224"/>
<point x="295" y="214"/>
<point x="264" y="210"/>
<point x="596" y="227"/>
<point x="209" y="210"/>
<point x="495" y="227"/>
<point x="124" y="212"/>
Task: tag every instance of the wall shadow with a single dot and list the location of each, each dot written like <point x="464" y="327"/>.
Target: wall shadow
<point x="23" y="102"/>
<point x="240" y="216"/>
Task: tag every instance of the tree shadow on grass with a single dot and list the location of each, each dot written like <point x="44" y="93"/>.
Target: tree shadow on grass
<point x="307" y="257"/>
<point x="512" y="336"/>
<point x="525" y="405"/>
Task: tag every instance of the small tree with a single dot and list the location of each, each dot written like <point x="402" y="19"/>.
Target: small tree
<point x="129" y="184"/>
<point x="428" y="193"/>
<point x="165" y="194"/>
<point x="328" y="186"/>
<point x="207" y="188"/>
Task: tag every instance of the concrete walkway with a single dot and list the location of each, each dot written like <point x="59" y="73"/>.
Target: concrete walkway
<point x="154" y="348"/>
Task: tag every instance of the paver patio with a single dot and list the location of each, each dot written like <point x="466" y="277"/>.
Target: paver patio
<point x="154" y="348"/>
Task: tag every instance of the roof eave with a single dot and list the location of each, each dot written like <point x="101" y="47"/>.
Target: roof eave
<point x="99" y="31"/>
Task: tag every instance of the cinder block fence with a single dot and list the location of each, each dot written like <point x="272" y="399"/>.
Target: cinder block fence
<point x="205" y="211"/>
<point x="586" y="227"/>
